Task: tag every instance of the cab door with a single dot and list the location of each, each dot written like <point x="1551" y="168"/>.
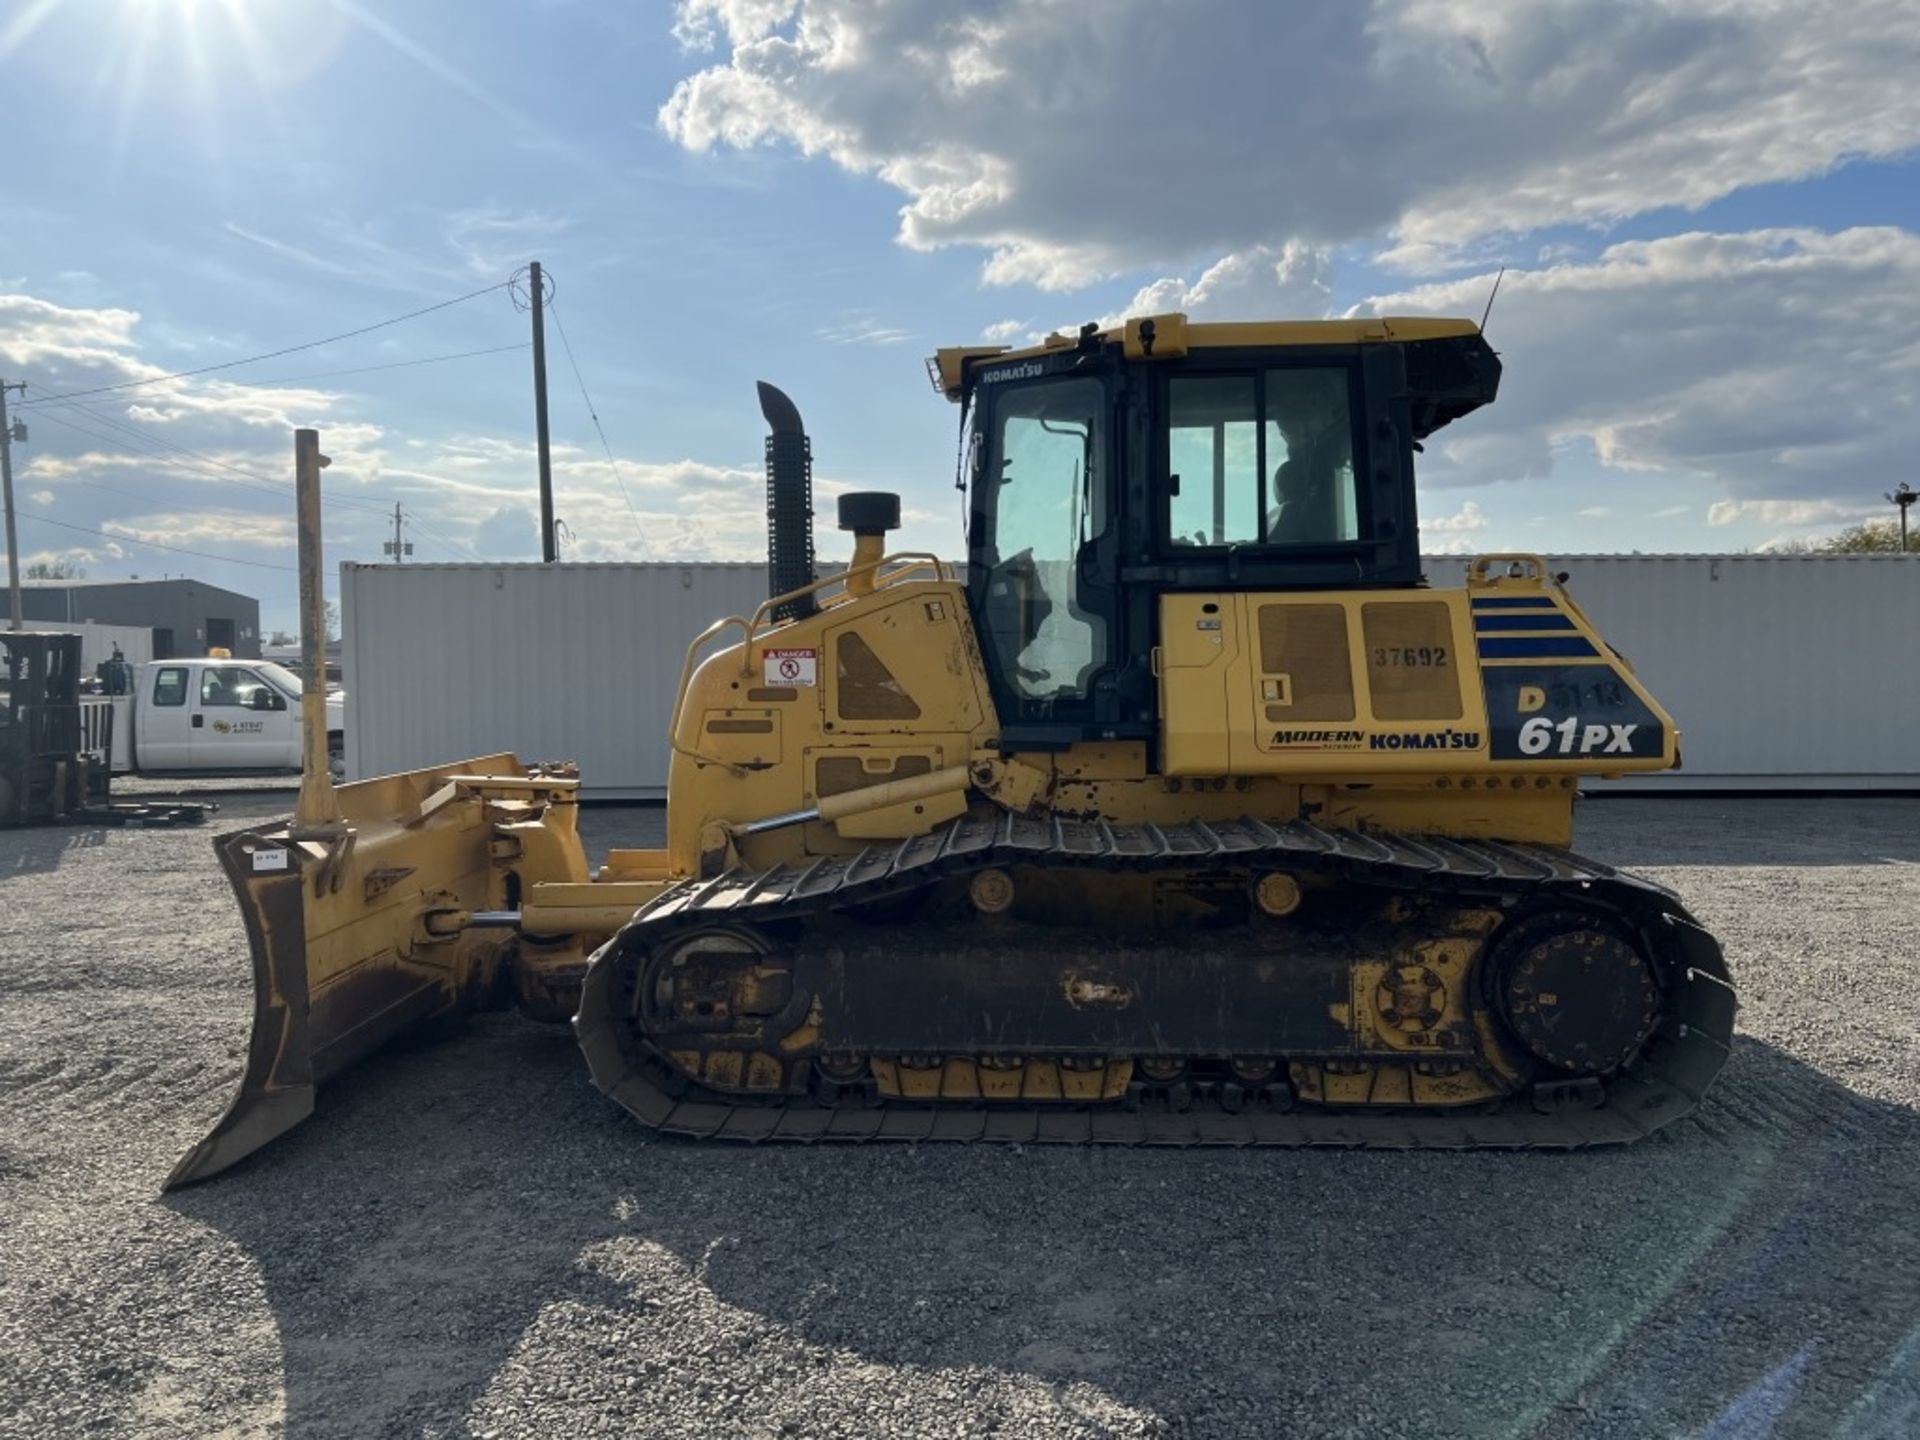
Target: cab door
<point x="163" y="719"/>
<point x="236" y="723"/>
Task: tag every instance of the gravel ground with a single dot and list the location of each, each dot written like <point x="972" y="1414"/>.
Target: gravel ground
<point x="468" y="1241"/>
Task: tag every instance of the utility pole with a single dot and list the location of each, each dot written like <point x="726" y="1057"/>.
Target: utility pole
<point x="1903" y="495"/>
<point x="536" y="284"/>
<point x="395" y="547"/>
<point x="7" y="437"/>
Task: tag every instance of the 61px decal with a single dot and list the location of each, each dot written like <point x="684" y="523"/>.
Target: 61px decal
<point x="1542" y="735"/>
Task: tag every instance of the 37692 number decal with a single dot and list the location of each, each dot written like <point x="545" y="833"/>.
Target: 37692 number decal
<point x="1386" y="657"/>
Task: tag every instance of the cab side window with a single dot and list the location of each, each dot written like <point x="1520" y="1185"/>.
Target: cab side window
<point x="1213" y="456"/>
<point x="229" y="685"/>
<point x="170" y="685"/>
<point x="1264" y="459"/>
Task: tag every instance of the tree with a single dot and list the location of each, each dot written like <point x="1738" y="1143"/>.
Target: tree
<point x="55" y="570"/>
<point x="333" y="621"/>
<point x="280" y="639"/>
<point x="1869" y="537"/>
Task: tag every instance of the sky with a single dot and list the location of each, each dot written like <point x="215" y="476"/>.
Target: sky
<point x="1708" y="214"/>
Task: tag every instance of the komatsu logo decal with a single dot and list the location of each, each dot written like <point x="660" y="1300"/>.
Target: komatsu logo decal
<point x="1025" y="370"/>
<point x="1436" y="740"/>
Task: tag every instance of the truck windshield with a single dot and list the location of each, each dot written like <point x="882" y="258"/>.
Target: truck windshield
<point x="283" y="678"/>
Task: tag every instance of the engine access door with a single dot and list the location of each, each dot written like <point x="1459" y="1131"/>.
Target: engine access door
<point x="1318" y="683"/>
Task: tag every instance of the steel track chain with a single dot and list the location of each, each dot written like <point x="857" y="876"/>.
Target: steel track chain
<point x="1664" y="1082"/>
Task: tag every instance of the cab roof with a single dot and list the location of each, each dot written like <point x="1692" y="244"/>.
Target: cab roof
<point x="1172" y="336"/>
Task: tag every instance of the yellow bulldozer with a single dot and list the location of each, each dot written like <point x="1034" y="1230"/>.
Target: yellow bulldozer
<point x="1189" y="813"/>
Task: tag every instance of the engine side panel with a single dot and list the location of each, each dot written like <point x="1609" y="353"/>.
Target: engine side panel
<point x="1496" y="679"/>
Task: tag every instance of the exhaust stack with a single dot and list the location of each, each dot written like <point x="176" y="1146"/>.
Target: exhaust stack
<point x="789" y="503"/>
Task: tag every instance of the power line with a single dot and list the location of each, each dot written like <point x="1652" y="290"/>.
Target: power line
<point x="157" y="545"/>
<point x="453" y="545"/>
<point x="567" y="345"/>
<point x="394" y="365"/>
<point x="141" y="444"/>
<point x="275" y="354"/>
<point x="266" y="484"/>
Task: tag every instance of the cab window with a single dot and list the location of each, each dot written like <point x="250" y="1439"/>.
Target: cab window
<point x="170" y="685"/>
<point x="1213" y="459"/>
<point x="231" y="685"/>
<point x="1261" y="459"/>
<point x="1046" y="469"/>
<point x="1309" y="455"/>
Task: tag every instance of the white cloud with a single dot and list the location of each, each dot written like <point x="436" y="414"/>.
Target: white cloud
<point x="1003" y="330"/>
<point x="215" y="527"/>
<point x="1777" y="364"/>
<point x="1070" y="141"/>
<point x="202" y="463"/>
<point x="1292" y="280"/>
<point x="1783" y="512"/>
<point x="1454" y="534"/>
<point x="492" y="242"/>
<point x="863" y="330"/>
<point x="1468" y="517"/>
<point x="1595" y="512"/>
<point x="1671" y="512"/>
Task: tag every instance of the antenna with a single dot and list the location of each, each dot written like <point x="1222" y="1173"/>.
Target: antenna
<point x="1491" y="298"/>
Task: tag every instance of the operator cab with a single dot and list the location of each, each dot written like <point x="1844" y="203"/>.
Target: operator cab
<point x="1105" y="471"/>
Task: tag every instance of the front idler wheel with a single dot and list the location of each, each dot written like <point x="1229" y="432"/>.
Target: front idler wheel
<point x="1575" y="990"/>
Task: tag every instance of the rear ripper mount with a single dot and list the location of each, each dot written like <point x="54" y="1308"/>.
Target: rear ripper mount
<point x="767" y="1043"/>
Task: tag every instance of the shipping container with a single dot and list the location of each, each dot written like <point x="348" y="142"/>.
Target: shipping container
<point x="552" y="662"/>
<point x="1784" y="672"/>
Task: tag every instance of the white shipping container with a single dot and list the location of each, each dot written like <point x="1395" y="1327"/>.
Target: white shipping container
<point x="1783" y="671"/>
<point x="552" y="662"/>
<point x="97" y="642"/>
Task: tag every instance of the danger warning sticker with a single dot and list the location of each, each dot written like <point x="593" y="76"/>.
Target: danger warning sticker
<point x="790" y="667"/>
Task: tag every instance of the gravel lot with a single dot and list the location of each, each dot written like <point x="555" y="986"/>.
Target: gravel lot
<point x="468" y="1241"/>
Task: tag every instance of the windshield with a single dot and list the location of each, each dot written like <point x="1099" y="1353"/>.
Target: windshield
<point x="284" y="678"/>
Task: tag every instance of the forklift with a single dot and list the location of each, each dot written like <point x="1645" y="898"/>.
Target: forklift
<point x="56" y="756"/>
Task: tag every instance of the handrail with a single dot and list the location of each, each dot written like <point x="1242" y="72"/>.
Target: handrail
<point x="905" y="562"/>
<point x="1478" y="566"/>
<point x="680" y="696"/>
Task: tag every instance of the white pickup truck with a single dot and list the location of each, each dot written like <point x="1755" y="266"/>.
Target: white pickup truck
<point x="214" y="714"/>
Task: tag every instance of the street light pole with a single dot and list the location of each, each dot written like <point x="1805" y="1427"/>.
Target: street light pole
<point x="1903" y="495"/>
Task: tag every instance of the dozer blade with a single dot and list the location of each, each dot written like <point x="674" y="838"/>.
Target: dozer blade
<point x="360" y="937"/>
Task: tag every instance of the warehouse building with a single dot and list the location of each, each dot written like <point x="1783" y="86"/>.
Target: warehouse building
<point x="183" y="617"/>
<point x="1783" y="671"/>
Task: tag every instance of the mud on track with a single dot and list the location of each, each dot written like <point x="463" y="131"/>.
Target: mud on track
<point x="467" y="1240"/>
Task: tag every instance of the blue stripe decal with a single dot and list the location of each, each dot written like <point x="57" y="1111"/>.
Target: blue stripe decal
<point x="1556" y="621"/>
<point x="1545" y="647"/>
<point x="1512" y="602"/>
